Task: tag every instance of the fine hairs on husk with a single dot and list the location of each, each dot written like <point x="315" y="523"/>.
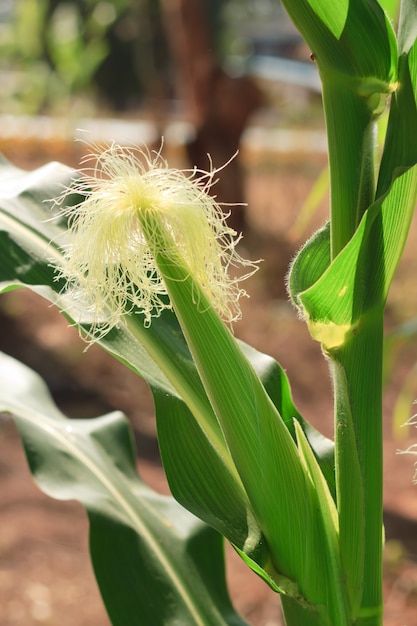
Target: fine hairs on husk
<point x="108" y="263"/>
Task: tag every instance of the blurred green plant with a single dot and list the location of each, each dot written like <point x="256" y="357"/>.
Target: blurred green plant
<point x="51" y="51"/>
<point x="137" y="256"/>
<point x="57" y="55"/>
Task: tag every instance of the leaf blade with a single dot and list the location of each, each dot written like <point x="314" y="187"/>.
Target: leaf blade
<point x="77" y="459"/>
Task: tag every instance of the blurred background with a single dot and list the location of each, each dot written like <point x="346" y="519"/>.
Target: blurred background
<point x="196" y="73"/>
<point x="227" y="78"/>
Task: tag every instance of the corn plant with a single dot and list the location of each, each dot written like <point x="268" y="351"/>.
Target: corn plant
<point x="139" y="257"/>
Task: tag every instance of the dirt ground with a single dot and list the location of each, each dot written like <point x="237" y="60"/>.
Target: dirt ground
<point x="45" y="574"/>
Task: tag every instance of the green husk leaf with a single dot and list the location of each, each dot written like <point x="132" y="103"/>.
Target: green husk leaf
<point x="278" y="388"/>
<point x="330" y="553"/>
<point x="259" y="442"/>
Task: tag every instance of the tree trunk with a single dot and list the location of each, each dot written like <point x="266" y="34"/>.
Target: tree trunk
<point x="218" y="105"/>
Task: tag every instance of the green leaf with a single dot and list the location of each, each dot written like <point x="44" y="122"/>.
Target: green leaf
<point x="350" y="491"/>
<point x="144" y="546"/>
<point x="358" y="280"/>
<point x="338" y="35"/>
<point x="407" y="29"/>
<point x="278" y="388"/>
<point x="196" y="477"/>
<point x="392" y="8"/>
<point x="330" y="554"/>
<point x="333" y="15"/>
<point x="400" y="153"/>
<point x="309" y="265"/>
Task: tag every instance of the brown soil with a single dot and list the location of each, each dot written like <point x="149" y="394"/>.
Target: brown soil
<point x="45" y="575"/>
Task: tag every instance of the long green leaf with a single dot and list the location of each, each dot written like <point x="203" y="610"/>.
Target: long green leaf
<point x="154" y="562"/>
<point x="332" y="15"/>
<point x="338" y="35"/>
<point x="407" y="30"/>
<point x="391" y="8"/>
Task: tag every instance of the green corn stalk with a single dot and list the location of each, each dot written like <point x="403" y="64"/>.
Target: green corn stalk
<point x="343" y="298"/>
